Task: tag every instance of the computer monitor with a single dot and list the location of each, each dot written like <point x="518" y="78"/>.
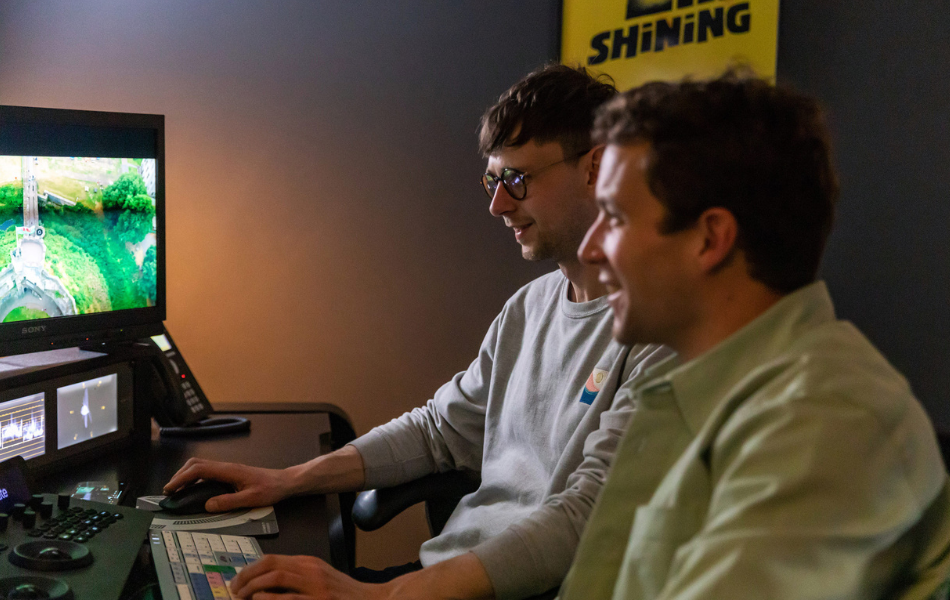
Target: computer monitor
<point x="82" y="228"/>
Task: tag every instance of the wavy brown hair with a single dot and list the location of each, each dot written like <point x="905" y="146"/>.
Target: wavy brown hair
<point x="737" y="142"/>
<point x="555" y="103"/>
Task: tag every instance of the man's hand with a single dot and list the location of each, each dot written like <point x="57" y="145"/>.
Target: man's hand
<point x="340" y="471"/>
<point x="255" y="486"/>
<point x="276" y="577"/>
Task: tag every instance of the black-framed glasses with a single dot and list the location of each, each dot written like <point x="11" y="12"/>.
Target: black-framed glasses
<point x="515" y="181"/>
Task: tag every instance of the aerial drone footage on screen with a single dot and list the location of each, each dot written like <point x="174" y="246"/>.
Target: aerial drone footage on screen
<point x="77" y="236"/>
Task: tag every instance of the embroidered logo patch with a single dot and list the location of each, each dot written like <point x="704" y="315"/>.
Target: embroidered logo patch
<point x="593" y="385"/>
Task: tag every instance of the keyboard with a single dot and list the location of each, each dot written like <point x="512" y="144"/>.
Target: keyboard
<point x="194" y="565"/>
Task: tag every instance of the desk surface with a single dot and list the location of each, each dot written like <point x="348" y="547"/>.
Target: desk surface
<point x="276" y="440"/>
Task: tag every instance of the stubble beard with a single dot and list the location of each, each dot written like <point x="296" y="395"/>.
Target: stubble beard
<point x="547" y="250"/>
<point x="562" y="249"/>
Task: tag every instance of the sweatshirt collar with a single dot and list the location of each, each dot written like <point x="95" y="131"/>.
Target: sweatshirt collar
<point x="579" y="310"/>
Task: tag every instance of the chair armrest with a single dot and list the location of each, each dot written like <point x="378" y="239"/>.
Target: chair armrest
<point x="375" y="508"/>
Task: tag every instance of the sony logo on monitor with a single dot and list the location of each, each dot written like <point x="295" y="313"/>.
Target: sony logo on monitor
<point x="34" y="329"/>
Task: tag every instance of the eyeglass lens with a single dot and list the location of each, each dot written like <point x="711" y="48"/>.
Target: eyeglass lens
<point x="512" y="180"/>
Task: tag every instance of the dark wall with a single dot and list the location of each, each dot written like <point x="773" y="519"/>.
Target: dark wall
<point x="883" y="72"/>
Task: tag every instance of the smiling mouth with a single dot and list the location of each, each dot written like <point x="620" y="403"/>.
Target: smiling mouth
<point x="519" y="231"/>
<point x="612" y="285"/>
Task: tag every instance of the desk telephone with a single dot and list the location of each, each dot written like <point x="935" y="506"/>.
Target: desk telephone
<point x="180" y="407"/>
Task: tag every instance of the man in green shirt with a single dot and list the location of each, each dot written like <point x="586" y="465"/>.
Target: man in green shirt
<point x="779" y="455"/>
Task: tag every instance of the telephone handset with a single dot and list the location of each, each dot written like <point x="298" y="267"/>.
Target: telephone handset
<point x="179" y="405"/>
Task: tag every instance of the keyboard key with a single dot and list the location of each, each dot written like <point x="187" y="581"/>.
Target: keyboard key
<point x="184" y="592"/>
<point x="199" y="583"/>
<point x="179" y="573"/>
<point x="216" y="583"/>
<point x="231" y="544"/>
<point x="216" y="544"/>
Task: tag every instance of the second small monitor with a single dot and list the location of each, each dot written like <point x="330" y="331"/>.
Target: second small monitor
<point x="23" y="427"/>
<point x="86" y="410"/>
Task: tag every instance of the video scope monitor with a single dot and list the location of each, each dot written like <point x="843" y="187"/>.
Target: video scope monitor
<point x="23" y="427"/>
<point x="82" y="206"/>
<point x="87" y="410"/>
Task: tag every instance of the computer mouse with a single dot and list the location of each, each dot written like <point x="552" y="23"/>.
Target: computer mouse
<point x="191" y="498"/>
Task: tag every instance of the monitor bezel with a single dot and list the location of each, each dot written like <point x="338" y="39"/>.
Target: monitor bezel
<point x="120" y="325"/>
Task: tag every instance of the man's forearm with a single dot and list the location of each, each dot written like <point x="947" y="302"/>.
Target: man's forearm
<point x="459" y="578"/>
<point x="340" y="471"/>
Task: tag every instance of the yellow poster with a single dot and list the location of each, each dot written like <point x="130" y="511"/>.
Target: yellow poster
<point x="636" y="41"/>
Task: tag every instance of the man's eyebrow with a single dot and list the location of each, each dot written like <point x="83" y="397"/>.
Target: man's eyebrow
<point x="501" y="169"/>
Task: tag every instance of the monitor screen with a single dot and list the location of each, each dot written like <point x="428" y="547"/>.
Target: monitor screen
<point x="77" y="235"/>
<point x="86" y="410"/>
<point x="23" y="427"/>
<point x="81" y="227"/>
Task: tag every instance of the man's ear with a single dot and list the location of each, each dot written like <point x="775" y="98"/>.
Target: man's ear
<point x="596" y="155"/>
<point x="719" y="231"/>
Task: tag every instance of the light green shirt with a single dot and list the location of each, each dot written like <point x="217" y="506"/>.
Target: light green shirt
<point x="790" y="461"/>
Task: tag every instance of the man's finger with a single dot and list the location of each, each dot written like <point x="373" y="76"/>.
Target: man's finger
<point x="226" y="502"/>
<point x="277" y="596"/>
<point x="262" y="565"/>
<point x="201" y="470"/>
<point x="184" y="476"/>
<point x="271" y="581"/>
<point x="178" y="477"/>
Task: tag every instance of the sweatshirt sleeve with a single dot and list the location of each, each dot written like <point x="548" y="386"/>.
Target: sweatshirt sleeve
<point x="534" y="554"/>
<point x="446" y="434"/>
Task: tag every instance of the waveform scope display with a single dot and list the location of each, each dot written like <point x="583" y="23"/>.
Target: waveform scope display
<point x="86" y="410"/>
<point x="23" y="427"/>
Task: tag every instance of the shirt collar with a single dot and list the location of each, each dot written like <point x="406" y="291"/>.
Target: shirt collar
<point x="702" y="383"/>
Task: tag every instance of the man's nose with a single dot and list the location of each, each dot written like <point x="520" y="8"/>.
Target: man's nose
<point x="501" y="202"/>
<point x="591" y="251"/>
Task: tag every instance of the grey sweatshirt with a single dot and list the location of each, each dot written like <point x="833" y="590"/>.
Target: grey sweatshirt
<point x="539" y="413"/>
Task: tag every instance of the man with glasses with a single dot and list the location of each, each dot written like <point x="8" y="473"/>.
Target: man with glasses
<point x="538" y="413"/>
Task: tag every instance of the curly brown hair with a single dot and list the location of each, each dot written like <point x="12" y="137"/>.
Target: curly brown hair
<point x="737" y="142"/>
<point x="555" y="103"/>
